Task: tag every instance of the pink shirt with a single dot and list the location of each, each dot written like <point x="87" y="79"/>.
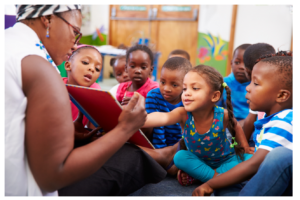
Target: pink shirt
<point x="149" y="85"/>
<point x="75" y="109"/>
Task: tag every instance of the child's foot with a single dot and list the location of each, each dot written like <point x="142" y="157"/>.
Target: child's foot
<point x="184" y="179"/>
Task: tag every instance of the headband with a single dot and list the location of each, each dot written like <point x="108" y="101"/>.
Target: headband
<point x="84" y="45"/>
<point x="35" y="11"/>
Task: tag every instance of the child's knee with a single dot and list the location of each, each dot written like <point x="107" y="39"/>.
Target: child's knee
<point x="179" y="159"/>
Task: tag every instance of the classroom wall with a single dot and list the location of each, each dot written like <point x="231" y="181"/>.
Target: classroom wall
<point x="271" y="24"/>
<point x="213" y="36"/>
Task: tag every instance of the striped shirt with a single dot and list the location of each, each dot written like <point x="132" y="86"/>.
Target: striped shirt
<point x="274" y="131"/>
<point x="238" y="99"/>
<point x="165" y="135"/>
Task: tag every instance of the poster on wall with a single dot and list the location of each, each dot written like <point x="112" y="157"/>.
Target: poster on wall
<point x="213" y="36"/>
<point x="95" y="20"/>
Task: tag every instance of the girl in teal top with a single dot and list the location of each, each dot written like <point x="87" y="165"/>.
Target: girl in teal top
<point x="209" y="152"/>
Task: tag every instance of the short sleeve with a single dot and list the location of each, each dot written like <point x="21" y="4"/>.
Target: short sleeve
<point x="151" y="102"/>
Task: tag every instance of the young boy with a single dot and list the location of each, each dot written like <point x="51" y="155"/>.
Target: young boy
<point x="252" y="53"/>
<point x="270" y="91"/>
<point x="179" y="53"/>
<point x="237" y="82"/>
<point x="166" y="98"/>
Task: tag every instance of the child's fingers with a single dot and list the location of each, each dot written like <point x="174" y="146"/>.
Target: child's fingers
<point x="94" y="131"/>
<point x="79" y="116"/>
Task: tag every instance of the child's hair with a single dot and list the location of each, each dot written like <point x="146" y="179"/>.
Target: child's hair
<point x="215" y="80"/>
<point x="178" y="63"/>
<point x="283" y="64"/>
<point x="113" y="60"/>
<point x="79" y="48"/>
<point x="141" y="48"/>
<point x="254" y="52"/>
<point x="242" y="47"/>
<point x="180" y="52"/>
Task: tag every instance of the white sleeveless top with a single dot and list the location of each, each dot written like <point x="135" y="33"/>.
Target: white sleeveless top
<point x="20" y="41"/>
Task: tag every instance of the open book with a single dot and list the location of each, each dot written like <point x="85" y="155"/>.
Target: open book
<point x="103" y="110"/>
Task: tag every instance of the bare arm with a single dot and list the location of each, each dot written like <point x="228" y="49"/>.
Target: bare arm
<point x="49" y="132"/>
<point x="249" y="125"/>
<point x="157" y="119"/>
<point x="239" y="173"/>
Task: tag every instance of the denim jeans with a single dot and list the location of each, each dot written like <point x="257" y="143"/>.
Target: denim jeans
<point x="273" y="178"/>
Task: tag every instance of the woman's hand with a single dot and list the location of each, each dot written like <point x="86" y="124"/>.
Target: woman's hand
<point x="249" y="150"/>
<point x="82" y="133"/>
<point x="203" y="190"/>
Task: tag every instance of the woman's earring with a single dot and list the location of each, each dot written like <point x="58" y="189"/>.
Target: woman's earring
<point x="47" y="34"/>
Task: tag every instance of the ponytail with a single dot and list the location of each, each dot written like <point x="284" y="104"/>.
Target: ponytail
<point x="232" y="124"/>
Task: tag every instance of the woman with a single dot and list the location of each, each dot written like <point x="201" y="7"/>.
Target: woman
<point x="39" y="132"/>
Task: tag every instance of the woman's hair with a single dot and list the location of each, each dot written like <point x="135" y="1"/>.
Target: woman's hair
<point x="113" y="60"/>
<point x="215" y="80"/>
<point x="283" y="64"/>
<point x="141" y="48"/>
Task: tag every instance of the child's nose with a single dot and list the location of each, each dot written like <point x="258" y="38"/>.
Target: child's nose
<point x="138" y="70"/>
<point x="248" y="88"/>
<point x="167" y="88"/>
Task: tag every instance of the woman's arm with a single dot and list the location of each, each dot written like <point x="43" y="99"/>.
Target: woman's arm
<point x="239" y="173"/>
<point x="157" y="119"/>
<point x="49" y="129"/>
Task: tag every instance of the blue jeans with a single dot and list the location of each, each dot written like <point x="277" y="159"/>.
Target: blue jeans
<point x="198" y="169"/>
<point x="273" y="178"/>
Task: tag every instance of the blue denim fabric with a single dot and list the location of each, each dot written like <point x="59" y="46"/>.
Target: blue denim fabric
<point x="273" y="178"/>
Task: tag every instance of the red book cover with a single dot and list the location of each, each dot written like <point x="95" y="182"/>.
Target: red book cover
<point x="103" y="110"/>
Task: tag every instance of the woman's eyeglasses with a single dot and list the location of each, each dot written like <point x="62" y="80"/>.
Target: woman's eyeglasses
<point x="77" y="33"/>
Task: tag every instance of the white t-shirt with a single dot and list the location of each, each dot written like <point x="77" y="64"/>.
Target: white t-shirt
<point x="113" y="91"/>
<point x="20" y="41"/>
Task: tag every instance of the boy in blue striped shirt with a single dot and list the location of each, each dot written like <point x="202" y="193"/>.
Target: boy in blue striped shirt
<point x="166" y="98"/>
<point x="270" y="91"/>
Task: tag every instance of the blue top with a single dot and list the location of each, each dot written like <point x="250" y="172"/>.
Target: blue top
<point x="213" y="146"/>
<point x="165" y="135"/>
<point x="238" y="99"/>
<point x="274" y="131"/>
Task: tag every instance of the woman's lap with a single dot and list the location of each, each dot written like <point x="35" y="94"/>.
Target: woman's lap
<point x="125" y="172"/>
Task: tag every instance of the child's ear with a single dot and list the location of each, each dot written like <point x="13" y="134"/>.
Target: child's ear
<point x="283" y="96"/>
<point x="151" y="69"/>
<point x="68" y="66"/>
<point x="216" y="96"/>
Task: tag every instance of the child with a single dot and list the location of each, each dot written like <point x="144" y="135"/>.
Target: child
<point x="237" y="82"/>
<point x="166" y="98"/>
<point x="83" y="68"/>
<point x="251" y="55"/>
<point x="208" y="150"/>
<point x="139" y="65"/>
<point x="179" y="53"/>
<point x="270" y="91"/>
<point x="118" y="64"/>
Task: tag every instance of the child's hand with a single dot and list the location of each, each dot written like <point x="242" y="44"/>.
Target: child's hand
<point x="249" y="150"/>
<point x="203" y="190"/>
<point x="82" y="133"/>
<point x="125" y="100"/>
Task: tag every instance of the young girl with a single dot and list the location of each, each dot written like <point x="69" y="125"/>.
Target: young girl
<point x="118" y="64"/>
<point x="83" y="68"/>
<point x="208" y="150"/>
<point x="139" y="65"/>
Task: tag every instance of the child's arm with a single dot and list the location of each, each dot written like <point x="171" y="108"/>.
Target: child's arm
<point x="239" y="173"/>
<point x="157" y="119"/>
<point x="249" y="125"/>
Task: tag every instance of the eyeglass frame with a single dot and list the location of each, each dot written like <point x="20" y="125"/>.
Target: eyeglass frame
<point x="75" y="29"/>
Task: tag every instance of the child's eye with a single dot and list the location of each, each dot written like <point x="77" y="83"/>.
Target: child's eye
<point x="184" y="89"/>
<point x="144" y="67"/>
<point x="162" y="82"/>
<point x="196" y="88"/>
<point x="132" y="66"/>
<point x="119" y="74"/>
<point x="85" y="63"/>
<point x="255" y="84"/>
<point x="175" y="85"/>
<point x="97" y="69"/>
<point x="236" y="63"/>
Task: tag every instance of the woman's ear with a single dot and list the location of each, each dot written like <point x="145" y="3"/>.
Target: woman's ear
<point x="46" y="20"/>
<point x="283" y="96"/>
<point x="216" y="96"/>
<point x="68" y="66"/>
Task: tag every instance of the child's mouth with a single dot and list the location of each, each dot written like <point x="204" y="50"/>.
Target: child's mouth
<point x="187" y="102"/>
<point x="87" y="77"/>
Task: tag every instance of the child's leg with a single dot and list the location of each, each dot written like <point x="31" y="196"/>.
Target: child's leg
<point x="193" y="166"/>
<point x="232" y="162"/>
